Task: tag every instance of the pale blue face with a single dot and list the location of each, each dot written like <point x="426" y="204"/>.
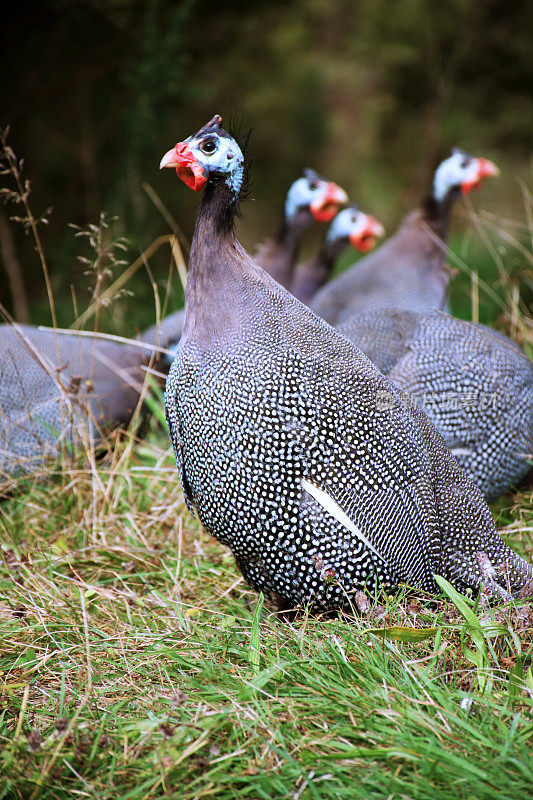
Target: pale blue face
<point x="220" y="155"/>
<point x="354" y="226"/>
<point x="348" y="222"/>
<point x="303" y="193"/>
<point x="453" y="172"/>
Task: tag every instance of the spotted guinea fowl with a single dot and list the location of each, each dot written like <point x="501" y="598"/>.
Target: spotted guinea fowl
<point x="55" y="389"/>
<point x="349" y="226"/>
<point x="409" y="269"/>
<point x="309" y="198"/>
<point x="282" y="448"/>
<point x="474" y="384"/>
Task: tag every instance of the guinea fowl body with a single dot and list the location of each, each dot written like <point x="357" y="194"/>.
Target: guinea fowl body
<point x="474" y="384"/>
<point x="409" y="270"/>
<point x="52" y="386"/>
<point x="283" y="451"/>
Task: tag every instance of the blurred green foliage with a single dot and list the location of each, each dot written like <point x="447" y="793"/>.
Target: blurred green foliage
<point x="369" y="92"/>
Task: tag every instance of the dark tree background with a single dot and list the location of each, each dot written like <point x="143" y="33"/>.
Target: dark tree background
<point x="369" y="92"/>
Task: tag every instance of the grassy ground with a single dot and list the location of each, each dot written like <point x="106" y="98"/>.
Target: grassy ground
<point x="134" y="663"/>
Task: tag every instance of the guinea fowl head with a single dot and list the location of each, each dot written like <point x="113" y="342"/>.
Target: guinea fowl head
<point x="360" y="229"/>
<point x="315" y="194"/>
<point x="460" y="173"/>
<point x="211" y="155"/>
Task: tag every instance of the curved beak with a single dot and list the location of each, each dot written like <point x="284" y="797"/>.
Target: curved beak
<point x="188" y="168"/>
<point x="365" y="238"/>
<point x="485" y="169"/>
<point x="327" y="204"/>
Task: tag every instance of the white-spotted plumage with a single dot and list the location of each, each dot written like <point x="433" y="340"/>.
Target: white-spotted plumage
<point x="57" y="391"/>
<point x="474" y="384"/>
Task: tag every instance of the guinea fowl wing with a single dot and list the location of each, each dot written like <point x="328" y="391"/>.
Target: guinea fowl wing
<point x="384" y="337"/>
<point x="476" y="386"/>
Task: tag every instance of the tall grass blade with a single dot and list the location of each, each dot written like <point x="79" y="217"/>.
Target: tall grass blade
<point x="254" y="653"/>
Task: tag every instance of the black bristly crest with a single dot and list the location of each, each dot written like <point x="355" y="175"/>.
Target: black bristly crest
<point x="243" y="135"/>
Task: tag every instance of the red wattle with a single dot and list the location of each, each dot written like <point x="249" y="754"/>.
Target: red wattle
<point x="485" y="169"/>
<point x="327" y="205"/>
<point x="193" y="175"/>
<point x="363" y="245"/>
<point x="188" y="168"/>
<point x="468" y="186"/>
<point x="366" y="239"/>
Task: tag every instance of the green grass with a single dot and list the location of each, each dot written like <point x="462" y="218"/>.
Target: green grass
<point x="135" y="663"/>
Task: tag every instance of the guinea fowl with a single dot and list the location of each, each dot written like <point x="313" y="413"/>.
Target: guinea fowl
<point x="349" y="226"/>
<point x="409" y="270"/>
<point x="309" y="198"/>
<point x="52" y="386"/>
<point x="474" y="384"/>
<point x="282" y="450"/>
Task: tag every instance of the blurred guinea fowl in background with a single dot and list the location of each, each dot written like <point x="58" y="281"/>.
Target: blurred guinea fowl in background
<point x="55" y="390"/>
<point x="281" y="446"/>
<point x="409" y="270"/>
<point x="310" y="198"/>
<point x="474" y="384"/>
<point x="349" y="226"/>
